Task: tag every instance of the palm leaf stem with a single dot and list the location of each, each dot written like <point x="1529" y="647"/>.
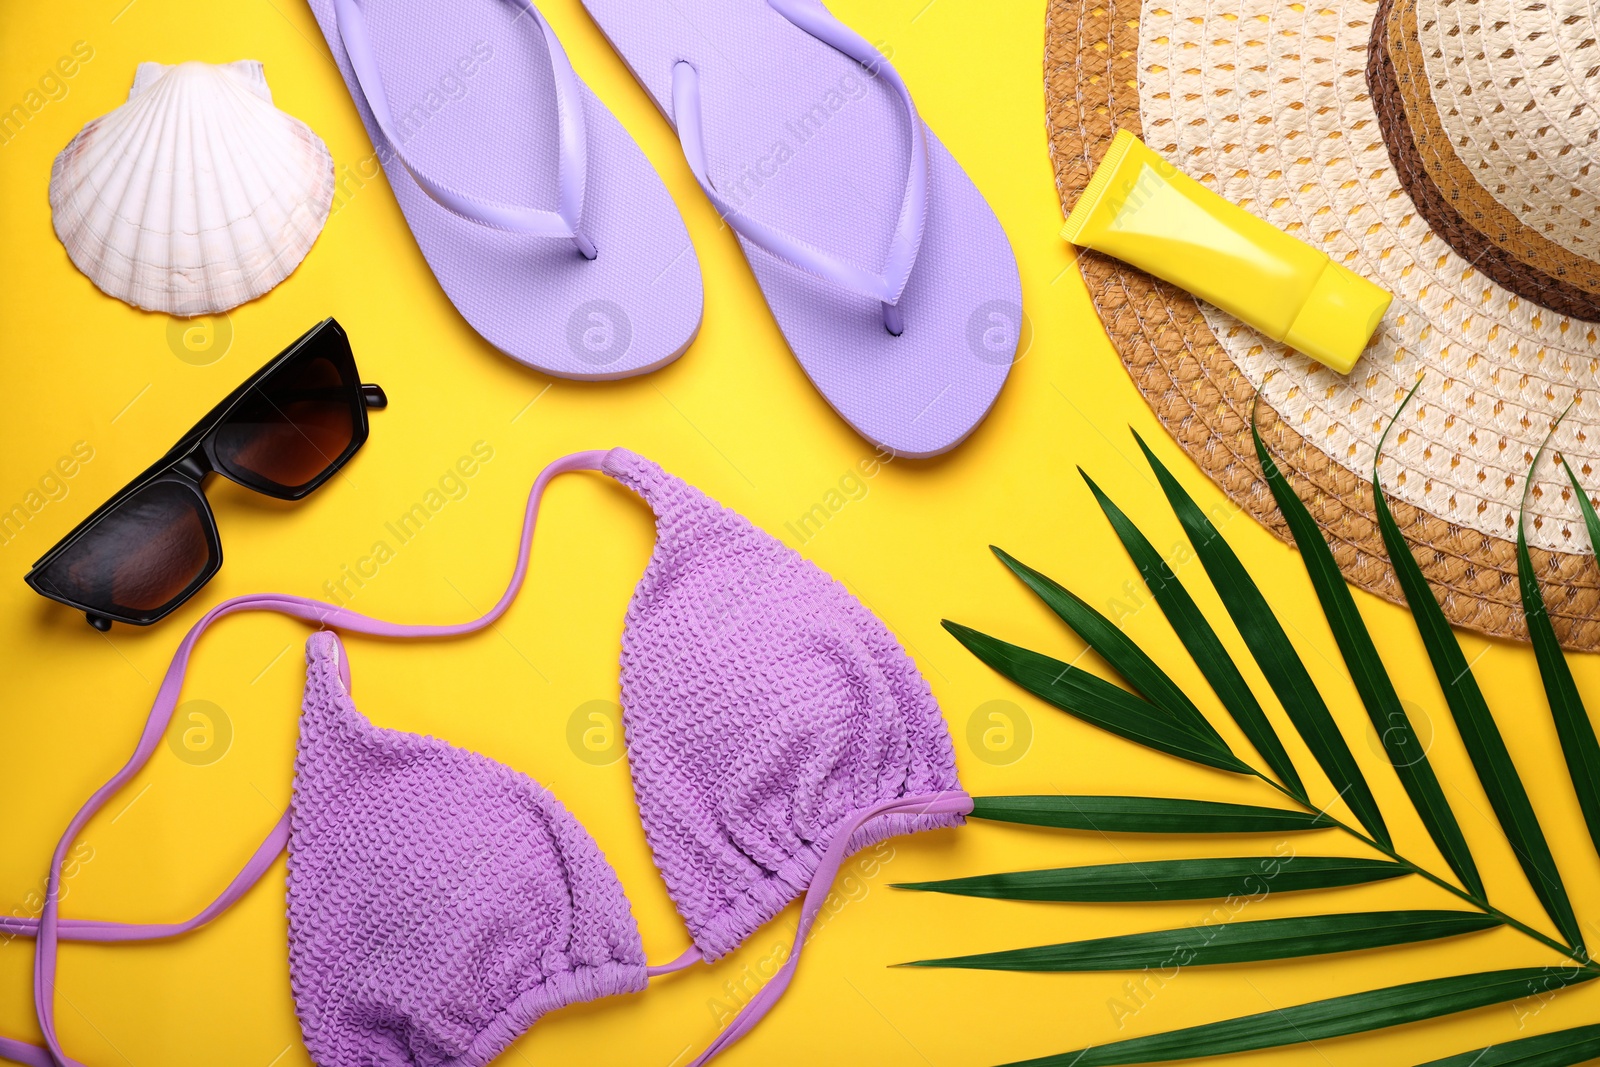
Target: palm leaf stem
<point x="1477" y="900"/>
<point x="1577" y="956"/>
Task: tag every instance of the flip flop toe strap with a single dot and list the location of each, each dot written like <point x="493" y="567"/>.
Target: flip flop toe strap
<point x="572" y="167"/>
<point x="887" y="286"/>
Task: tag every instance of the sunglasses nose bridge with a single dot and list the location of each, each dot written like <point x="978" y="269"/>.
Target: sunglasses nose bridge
<point x="193" y="467"/>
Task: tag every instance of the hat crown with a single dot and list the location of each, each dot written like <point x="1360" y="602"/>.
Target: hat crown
<point x="1488" y="109"/>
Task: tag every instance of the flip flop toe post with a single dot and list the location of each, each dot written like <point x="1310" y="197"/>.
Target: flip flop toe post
<point x="885" y="268"/>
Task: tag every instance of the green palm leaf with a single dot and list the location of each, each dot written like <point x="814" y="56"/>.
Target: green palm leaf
<point x="1236" y="942"/>
<point x="1204" y="647"/>
<point x="1145" y="815"/>
<point x="1320" y="1019"/>
<point x="1578" y="742"/>
<point x="1160" y="715"/>
<point x="1590" y="519"/>
<point x="1113" y="646"/>
<point x="1563" y="1048"/>
<point x="1479" y="733"/>
<point x="1279" y="662"/>
<point x="1096" y="701"/>
<point x="1409" y="758"/>
<point x="1194" y="879"/>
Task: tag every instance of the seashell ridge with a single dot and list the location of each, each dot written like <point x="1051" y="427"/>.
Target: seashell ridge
<point x="194" y="196"/>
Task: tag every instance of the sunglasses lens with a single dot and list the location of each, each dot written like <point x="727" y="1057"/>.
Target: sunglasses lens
<point x="138" y="559"/>
<point x="292" y="427"/>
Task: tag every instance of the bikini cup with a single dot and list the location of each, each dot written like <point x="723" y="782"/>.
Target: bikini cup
<point x="440" y="902"/>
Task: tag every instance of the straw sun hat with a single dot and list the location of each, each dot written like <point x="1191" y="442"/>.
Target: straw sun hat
<point x="1444" y="149"/>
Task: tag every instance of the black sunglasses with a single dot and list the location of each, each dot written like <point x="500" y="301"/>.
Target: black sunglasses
<point x="283" y="432"/>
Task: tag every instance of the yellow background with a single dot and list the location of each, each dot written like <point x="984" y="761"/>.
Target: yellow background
<point x="736" y="417"/>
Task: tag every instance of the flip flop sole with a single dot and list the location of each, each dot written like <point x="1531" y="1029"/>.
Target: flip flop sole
<point x="803" y="138"/>
<point x="473" y="96"/>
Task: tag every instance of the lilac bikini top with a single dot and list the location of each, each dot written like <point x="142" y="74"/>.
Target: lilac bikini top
<point x="440" y="902"/>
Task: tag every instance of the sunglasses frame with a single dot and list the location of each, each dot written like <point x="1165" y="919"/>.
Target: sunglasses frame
<point x="188" y="463"/>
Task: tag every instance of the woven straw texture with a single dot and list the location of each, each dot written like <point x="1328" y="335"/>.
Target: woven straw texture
<point x="1515" y="103"/>
<point x="1267" y="103"/>
<point x="1491" y="235"/>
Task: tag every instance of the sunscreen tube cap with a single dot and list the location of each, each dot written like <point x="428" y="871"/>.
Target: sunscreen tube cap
<point x="1338" y="317"/>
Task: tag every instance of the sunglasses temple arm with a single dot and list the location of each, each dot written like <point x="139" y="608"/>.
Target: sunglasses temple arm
<point x="373" y="396"/>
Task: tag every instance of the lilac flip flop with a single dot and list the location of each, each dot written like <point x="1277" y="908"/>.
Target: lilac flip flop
<point x="888" y="273"/>
<point x="543" y="221"/>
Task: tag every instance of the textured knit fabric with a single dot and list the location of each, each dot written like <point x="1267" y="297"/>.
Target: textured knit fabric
<point x="439" y="902"/>
<point x="764" y="706"/>
<point x="472" y="93"/>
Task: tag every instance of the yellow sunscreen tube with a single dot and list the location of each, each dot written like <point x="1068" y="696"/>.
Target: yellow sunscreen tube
<point x="1144" y="211"/>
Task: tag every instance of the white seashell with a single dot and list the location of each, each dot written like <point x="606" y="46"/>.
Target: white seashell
<point x="194" y="196"/>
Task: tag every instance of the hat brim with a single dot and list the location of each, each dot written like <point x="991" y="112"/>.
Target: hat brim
<point x="1204" y="400"/>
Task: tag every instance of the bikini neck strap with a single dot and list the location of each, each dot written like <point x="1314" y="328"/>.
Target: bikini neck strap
<point x="48" y="930"/>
